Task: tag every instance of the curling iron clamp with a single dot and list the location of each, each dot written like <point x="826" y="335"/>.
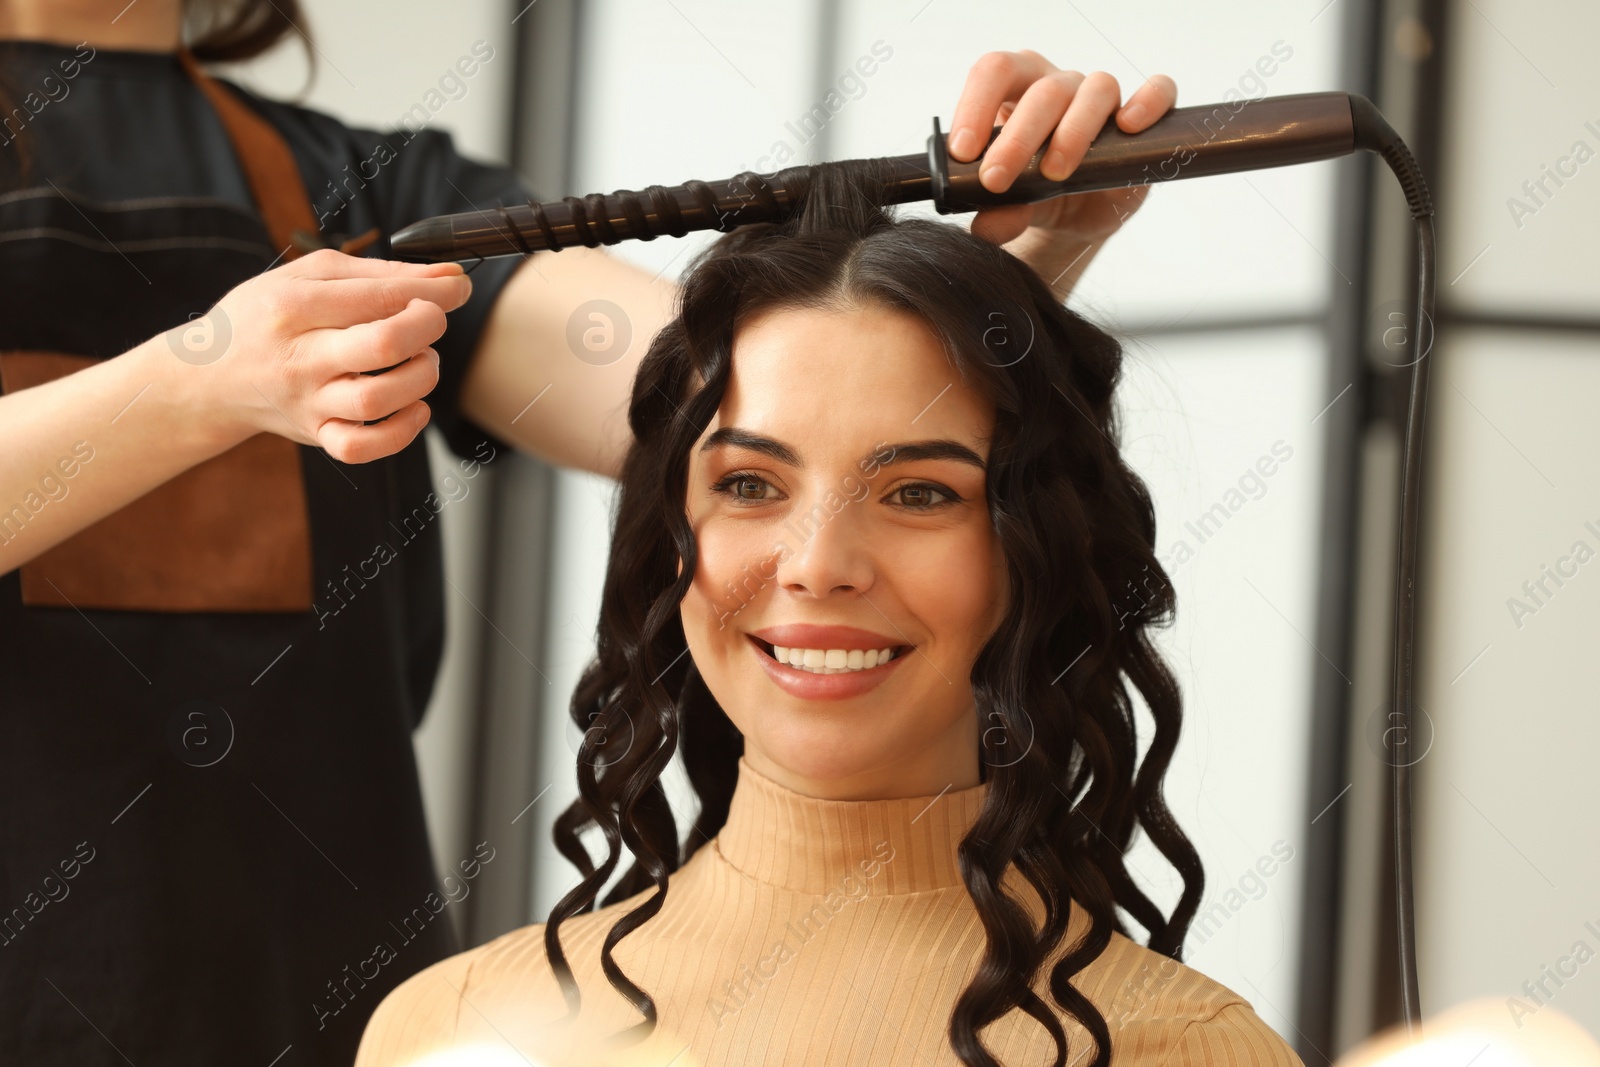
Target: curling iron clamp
<point x="1187" y="142"/>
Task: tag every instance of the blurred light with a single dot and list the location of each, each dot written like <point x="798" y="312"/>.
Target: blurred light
<point x="659" y="1050"/>
<point x="1483" y="1033"/>
<point x="477" y="1056"/>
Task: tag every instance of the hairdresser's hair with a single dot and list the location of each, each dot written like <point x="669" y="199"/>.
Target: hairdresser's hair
<point x="226" y="31"/>
<point x="1077" y="528"/>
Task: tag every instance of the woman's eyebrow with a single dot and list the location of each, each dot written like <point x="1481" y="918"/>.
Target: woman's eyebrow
<point x="907" y="451"/>
<point x="883" y="455"/>
<point x="732" y="435"/>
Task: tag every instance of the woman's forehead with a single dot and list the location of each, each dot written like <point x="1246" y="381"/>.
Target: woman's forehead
<point x="837" y="377"/>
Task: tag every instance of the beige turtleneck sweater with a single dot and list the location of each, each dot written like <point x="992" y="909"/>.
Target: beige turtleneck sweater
<point x="807" y="932"/>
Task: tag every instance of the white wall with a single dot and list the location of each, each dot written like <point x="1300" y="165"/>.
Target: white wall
<point x="1202" y="412"/>
<point x="376" y="58"/>
<point x="1508" y="853"/>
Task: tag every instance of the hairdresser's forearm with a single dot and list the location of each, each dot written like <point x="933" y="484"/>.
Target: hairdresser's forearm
<point x="76" y="449"/>
<point x="551" y="374"/>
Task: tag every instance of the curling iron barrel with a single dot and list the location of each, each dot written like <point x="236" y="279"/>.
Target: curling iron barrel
<point x="1187" y="142"/>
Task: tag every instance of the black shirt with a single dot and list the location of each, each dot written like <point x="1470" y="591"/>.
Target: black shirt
<point x="156" y="907"/>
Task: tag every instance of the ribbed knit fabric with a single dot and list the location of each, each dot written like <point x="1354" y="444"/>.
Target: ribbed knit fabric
<point x="807" y="932"/>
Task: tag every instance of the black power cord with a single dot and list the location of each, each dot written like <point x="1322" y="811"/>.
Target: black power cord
<point x="1375" y="134"/>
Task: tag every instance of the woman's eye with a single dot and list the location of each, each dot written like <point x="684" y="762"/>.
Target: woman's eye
<point x="922" y="497"/>
<point x="743" y="487"/>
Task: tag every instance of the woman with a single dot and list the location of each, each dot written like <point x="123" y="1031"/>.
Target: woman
<point x="877" y="497"/>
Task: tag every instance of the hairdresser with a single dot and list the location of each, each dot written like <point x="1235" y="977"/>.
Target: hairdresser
<point x="221" y="594"/>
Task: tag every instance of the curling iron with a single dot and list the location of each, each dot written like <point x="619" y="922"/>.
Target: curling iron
<point x="1186" y="142"/>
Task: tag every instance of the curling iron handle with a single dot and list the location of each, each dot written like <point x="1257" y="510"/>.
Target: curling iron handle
<point x="1187" y="142"/>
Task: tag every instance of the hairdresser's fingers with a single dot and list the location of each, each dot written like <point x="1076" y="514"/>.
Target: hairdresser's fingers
<point x="364" y="397"/>
<point x="1153" y="99"/>
<point x="341" y="302"/>
<point x="371" y="346"/>
<point x="1037" y="115"/>
<point x="331" y="263"/>
<point x="1075" y="125"/>
<point x="351" y="442"/>
<point x="997" y="78"/>
<point x="1090" y="110"/>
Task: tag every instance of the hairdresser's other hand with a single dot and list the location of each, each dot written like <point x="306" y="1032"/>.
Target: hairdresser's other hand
<point x="284" y="352"/>
<point x="1037" y="103"/>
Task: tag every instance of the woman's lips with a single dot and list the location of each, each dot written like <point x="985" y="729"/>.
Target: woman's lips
<point x="809" y="685"/>
<point x="814" y="635"/>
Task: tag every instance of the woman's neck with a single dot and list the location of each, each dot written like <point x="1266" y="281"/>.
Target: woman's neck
<point x="140" y="26"/>
<point x="942" y="763"/>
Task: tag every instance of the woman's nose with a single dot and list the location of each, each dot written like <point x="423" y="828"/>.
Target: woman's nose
<point x="830" y="547"/>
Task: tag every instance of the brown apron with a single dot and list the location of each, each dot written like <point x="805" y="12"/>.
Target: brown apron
<point x="232" y="533"/>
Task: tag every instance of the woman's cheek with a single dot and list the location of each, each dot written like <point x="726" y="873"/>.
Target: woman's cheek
<point x="953" y="583"/>
<point x="737" y="562"/>
<point x="705" y="619"/>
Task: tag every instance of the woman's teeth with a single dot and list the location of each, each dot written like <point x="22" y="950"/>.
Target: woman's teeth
<point x="832" y="660"/>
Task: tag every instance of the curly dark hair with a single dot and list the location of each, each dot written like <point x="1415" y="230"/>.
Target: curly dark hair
<point x="1078" y="532"/>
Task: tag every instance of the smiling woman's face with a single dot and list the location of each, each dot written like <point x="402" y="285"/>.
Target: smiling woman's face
<point x="838" y="501"/>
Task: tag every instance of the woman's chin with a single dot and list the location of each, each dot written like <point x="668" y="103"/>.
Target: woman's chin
<point x="843" y="728"/>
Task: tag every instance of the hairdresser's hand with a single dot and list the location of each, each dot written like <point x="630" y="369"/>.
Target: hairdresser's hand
<point x="1037" y="103"/>
<point x="285" y="352"/>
